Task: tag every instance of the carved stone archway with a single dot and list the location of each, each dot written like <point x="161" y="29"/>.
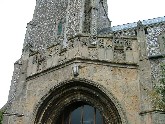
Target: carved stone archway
<point x="78" y="91"/>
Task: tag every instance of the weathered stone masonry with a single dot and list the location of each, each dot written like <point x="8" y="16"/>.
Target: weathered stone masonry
<point x="72" y="54"/>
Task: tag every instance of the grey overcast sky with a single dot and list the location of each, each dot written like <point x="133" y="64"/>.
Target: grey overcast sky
<point x="15" y="14"/>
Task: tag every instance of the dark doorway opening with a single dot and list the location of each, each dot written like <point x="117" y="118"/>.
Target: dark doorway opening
<point x="81" y="113"/>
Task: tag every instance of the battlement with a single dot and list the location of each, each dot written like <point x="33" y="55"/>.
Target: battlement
<point x="122" y="50"/>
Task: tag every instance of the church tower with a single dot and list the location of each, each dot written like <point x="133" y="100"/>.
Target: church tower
<point x="77" y="69"/>
<point x="56" y="20"/>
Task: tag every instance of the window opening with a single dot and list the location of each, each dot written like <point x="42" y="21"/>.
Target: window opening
<point x="84" y="114"/>
<point x="59" y="28"/>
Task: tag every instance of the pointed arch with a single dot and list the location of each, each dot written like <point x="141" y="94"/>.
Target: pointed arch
<point x="79" y="90"/>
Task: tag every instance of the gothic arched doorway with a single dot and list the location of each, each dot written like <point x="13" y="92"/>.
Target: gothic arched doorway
<point x="72" y="101"/>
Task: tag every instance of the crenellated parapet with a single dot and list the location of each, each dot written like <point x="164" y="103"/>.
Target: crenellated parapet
<point x="153" y="29"/>
<point x="110" y="49"/>
<point x="153" y="36"/>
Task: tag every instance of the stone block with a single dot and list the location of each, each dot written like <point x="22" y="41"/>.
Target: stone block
<point x="109" y="54"/>
<point x="101" y="54"/>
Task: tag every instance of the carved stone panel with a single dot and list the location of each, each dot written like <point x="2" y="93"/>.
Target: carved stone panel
<point x="109" y="49"/>
<point x="129" y="56"/>
<point x="93" y="53"/>
<point x="84" y="42"/>
<point x="101" y="54"/>
<point x="119" y="46"/>
<point x="119" y="55"/>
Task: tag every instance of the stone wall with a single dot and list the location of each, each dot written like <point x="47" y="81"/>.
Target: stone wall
<point x="119" y="80"/>
<point x="65" y="44"/>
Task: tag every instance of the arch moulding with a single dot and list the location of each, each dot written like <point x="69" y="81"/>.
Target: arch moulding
<point x="69" y="92"/>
